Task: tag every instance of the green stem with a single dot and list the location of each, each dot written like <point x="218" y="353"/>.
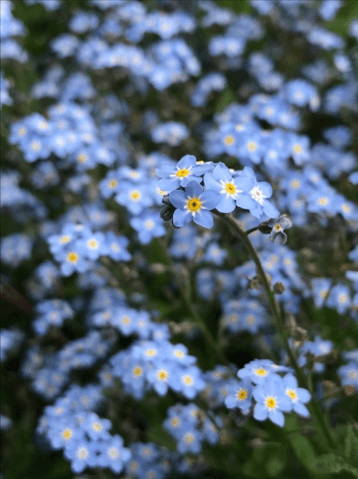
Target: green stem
<point x="251" y="230"/>
<point x="185" y="291"/>
<point x="279" y="318"/>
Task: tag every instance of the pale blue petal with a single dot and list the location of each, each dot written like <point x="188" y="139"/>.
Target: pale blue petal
<point x="245" y="202"/>
<point x="180" y="217"/>
<point x="301" y="410"/>
<point x="230" y="402"/>
<point x="260" y="412"/>
<point x="211" y="183"/>
<point x="168" y="185"/>
<point x="204" y="218"/>
<point x="270" y="210"/>
<point x="221" y="172"/>
<point x="210" y="198"/>
<point x="277" y="417"/>
<point x="177" y="199"/>
<point x="187" y="161"/>
<point x="266" y="188"/>
<point x="303" y="395"/>
<point x="193" y="189"/>
<point x="226" y="205"/>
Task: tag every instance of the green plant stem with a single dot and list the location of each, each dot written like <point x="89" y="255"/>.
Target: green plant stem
<point x="251" y="230"/>
<point x="185" y="290"/>
<point x="278" y="316"/>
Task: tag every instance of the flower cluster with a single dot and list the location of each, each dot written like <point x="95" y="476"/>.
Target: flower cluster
<point x="270" y="394"/>
<point x="190" y="427"/>
<point x="196" y="188"/>
<point x="158" y="365"/>
<point x="70" y="424"/>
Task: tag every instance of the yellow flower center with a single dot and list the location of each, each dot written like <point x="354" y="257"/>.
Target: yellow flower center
<point x="82" y="453"/>
<point x="65" y="239"/>
<point x="151" y="352"/>
<point x="178" y="353"/>
<point x="126" y="320"/>
<point x="22" y="131"/>
<point x="187" y="380"/>
<point x="241" y="394"/>
<point x="175" y="421"/>
<point x="182" y="172"/>
<point x="194" y="204"/>
<point x="250" y="319"/>
<point x="112" y="183"/>
<point x="67" y="434"/>
<point x="346" y="208"/>
<point x="230" y="188"/>
<point x="96" y="426"/>
<point x="297" y="148"/>
<point x="291" y="393"/>
<point x="229" y="140"/>
<point x="93" y="244"/>
<point x="149" y="224"/>
<point x="323" y="201"/>
<point x="137" y="371"/>
<point x="271" y="402"/>
<point x="261" y="372"/>
<point x="72" y="257"/>
<point x="295" y="184"/>
<point x="113" y="453"/>
<point x="189" y="437"/>
<point x="162" y="375"/>
<point x="342" y="298"/>
<point x="251" y="146"/>
<point x="82" y="158"/>
<point x="135" y="195"/>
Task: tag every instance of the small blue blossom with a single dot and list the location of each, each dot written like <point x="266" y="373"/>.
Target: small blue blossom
<point x="193" y="204"/>
<point x="271" y="400"/>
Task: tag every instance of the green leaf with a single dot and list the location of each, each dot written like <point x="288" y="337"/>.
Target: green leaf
<point x="333" y="463"/>
<point x="304" y="451"/>
<point x="350" y="441"/>
<point x="270" y="458"/>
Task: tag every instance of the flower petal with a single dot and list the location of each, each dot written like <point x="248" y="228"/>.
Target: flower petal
<point x="204" y="218"/>
<point x="177" y="199"/>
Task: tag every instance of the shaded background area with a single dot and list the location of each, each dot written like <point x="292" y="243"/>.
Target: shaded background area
<point x="24" y="455"/>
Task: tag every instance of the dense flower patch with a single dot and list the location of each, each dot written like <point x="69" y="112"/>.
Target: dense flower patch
<point x="179" y="242"/>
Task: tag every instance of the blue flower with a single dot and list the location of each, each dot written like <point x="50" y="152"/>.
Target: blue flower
<point x="230" y="188"/>
<point x="116" y="247"/>
<point x="257" y="370"/>
<point x="112" y="454"/>
<point x="184" y="172"/>
<point x="135" y="197"/>
<point x="82" y="454"/>
<point x="271" y="400"/>
<point x="194" y="204"/>
<point x="240" y="396"/>
<point x="298" y="396"/>
<point x="256" y="201"/>
<point x="348" y="374"/>
<point x="148" y="226"/>
<point x="95" y="427"/>
<point x="189" y="382"/>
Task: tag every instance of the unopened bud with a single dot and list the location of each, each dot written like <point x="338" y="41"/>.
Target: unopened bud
<point x="349" y="390"/>
<point x="278" y="288"/>
<point x="254" y="283"/>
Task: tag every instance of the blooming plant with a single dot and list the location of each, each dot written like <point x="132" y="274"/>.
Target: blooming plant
<point x="179" y="241"/>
